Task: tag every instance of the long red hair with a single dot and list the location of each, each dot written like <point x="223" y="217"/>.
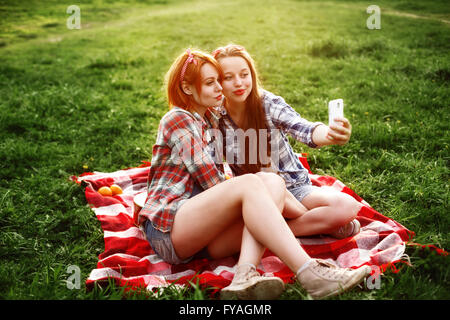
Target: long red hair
<point x="254" y="117"/>
<point x="175" y="93"/>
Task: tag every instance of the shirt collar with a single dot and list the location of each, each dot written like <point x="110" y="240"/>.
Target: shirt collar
<point x="197" y="116"/>
<point x="213" y="115"/>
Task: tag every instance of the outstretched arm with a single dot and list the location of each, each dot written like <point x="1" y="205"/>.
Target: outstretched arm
<point x="313" y="134"/>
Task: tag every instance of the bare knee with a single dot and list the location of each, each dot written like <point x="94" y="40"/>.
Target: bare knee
<point x="270" y="177"/>
<point x="250" y="180"/>
<point x="247" y="183"/>
<point x="272" y="180"/>
<point x="267" y="184"/>
<point x="346" y="207"/>
<point x="275" y="185"/>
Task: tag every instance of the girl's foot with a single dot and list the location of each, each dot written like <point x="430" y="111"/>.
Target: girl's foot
<point x="248" y="284"/>
<point x="322" y="279"/>
<point x="349" y="230"/>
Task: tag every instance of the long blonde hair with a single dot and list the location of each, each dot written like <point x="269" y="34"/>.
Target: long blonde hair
<point x="255" y="117"/>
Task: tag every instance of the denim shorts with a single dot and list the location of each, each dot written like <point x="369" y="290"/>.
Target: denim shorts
<point x="161" y="242"/>
<point x="302" y="190"/>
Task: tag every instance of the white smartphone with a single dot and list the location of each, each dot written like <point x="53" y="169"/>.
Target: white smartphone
<point x="335" y="109"/>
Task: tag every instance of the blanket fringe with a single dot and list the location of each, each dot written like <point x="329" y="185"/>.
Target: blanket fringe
<point x="393" y="265"/>
<point x="405" y="258"/>
<point x="431" y="247"/>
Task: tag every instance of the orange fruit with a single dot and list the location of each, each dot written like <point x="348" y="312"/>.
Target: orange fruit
<point x="116" y="189"/>
<point x="105" y="191"/>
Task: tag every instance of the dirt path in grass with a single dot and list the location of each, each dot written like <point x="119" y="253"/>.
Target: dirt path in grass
<point x="196" y="6"/>
<point x="395" y="13"/>
<point x="414" y="16"/>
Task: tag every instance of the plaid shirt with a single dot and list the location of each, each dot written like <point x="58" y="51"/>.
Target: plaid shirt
<point x="282" y="119"/>
<point x="180" y="158"/>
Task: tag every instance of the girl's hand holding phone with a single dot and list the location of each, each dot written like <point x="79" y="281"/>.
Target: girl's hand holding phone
<point x="340" y="131"/>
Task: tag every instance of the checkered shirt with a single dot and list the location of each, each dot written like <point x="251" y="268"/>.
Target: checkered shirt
<point x="282" y="120"/>
<point x="180" y="157"/>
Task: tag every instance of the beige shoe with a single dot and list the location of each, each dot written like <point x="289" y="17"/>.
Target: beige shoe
<point x="248" y="284"/>
<point x="349" y="230"/>
<point x="322" y="279"/>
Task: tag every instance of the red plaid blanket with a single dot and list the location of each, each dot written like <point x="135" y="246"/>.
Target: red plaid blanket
<point x="130" y="261"/>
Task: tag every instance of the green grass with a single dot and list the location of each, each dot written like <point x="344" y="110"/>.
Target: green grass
<point x="93" y="97"/>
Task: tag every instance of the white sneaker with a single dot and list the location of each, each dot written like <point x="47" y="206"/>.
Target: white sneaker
<point x="349" y="230"/>
<point x="248" y="284"/>
<point x="322" y="279"/>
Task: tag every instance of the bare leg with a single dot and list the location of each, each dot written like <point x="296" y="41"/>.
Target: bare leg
<point x="321" y="212"/>
<point x="233" y="236"/>
<point x="292" y="207"/>
<point x="202" y="218"/>
<point x="251" y="250"/>
<point x="328" y="210"/>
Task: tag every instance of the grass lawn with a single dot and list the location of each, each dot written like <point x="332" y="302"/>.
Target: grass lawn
<point x="91" y="99"/>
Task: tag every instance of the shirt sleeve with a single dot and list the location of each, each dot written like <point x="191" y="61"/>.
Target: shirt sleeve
<point x="184" y="138"/>
<point x="285" y="118"/>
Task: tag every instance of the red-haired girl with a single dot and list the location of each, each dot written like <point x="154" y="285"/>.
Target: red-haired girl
<point x="192" y="210"/>
<point x="247" y="106"/>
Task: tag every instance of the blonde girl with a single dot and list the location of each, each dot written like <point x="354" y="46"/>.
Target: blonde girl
<point x="247" y="106"/>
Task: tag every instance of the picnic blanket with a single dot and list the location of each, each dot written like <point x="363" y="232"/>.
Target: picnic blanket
<point x="129" y="260"/>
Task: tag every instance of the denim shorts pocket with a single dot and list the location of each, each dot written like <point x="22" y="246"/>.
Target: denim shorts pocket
<point x="156" y="240"/>
<point x="162" y="245"/>
<point x="158" y="246"/>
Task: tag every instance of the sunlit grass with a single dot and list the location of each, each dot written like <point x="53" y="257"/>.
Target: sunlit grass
<point x="91" y="99"/>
